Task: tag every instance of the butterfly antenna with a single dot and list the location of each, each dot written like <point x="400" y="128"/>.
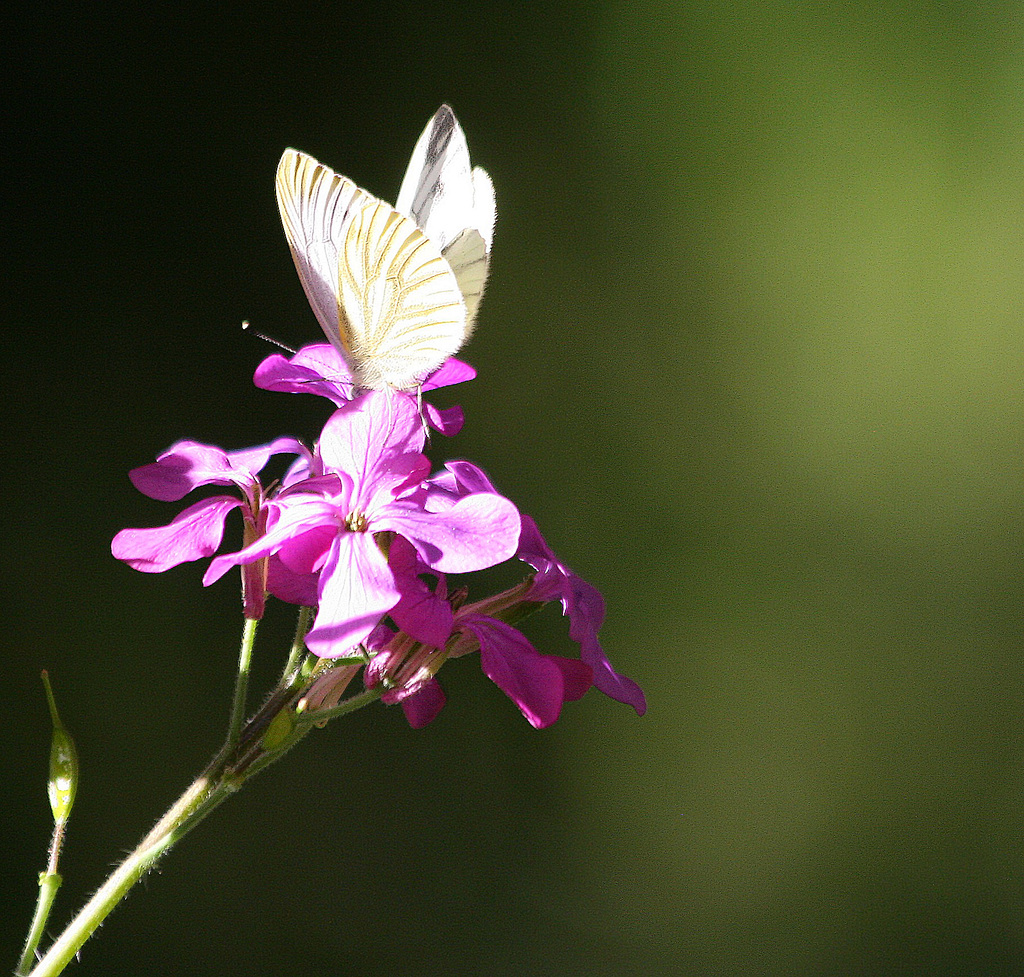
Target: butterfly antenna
<point x="267" y="339"/>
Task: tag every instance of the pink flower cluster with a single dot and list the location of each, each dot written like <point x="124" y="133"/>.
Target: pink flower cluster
<point x="360" y="529"/>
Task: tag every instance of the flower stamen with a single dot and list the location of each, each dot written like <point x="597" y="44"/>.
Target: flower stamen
<point x="356" y="522"/>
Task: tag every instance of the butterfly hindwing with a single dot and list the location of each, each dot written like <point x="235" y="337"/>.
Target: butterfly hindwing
<point x="401" y="312"/>
<point x="447" y="198"/>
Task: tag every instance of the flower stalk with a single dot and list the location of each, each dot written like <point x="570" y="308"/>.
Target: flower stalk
<point x="242" y="679"/>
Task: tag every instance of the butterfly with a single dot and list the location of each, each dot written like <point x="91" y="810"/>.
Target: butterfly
<point x="395" y="289"/>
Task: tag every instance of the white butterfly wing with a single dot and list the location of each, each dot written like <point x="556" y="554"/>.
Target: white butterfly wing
<point x="316" y="206"/>
<point x="452" y="203"/>
<point x="401" y="311"/>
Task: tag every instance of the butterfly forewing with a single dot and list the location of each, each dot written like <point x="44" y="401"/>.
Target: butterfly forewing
<point x="446" y="197"/>
<point x="401" y="313"/>
<point x="437" y="191"/>
<point x="316" y="206"/>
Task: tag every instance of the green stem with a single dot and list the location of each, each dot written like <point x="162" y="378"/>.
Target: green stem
<point x="242" y="679"/>
<point x="351" y="704"/>
<point x="252" y="763"/>
<point x="49" y="883"/>
<point x="298" y="648"/>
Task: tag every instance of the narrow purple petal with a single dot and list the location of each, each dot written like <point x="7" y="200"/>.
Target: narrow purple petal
<point x="317" y="369"/>
<point x="533" y="548"/>
<point x="189" y="464"/>
<point x="463" y="478"/>
<point x="609" y="681"/>
<point x="450" y="372"/>
<point x="447" y="421"/>
<point x="583" y="605"/>
<point x="181" y="468"/>
<point x="194" y="533"/>
<point x="254" y="460"/>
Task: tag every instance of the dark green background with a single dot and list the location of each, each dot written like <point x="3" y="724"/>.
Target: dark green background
<point x="751" y="354"/>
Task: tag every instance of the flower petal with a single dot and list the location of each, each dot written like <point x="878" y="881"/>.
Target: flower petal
<point x="532" y="681"/>
<point x="421" y="613"/>
<point x="476" y="532"/>
<point x="356" y="589"/>
<point x="583" y="605"/>
<point x="447" y="421"/>
<point x="189" y="464"/>
<point x="450" y="372"/>
<point x="423" y="706"/>
<point x="287" y="585"/>
<point x="317" y="369"/>
<point x="304" y="515"/>
<point x="364" y="437"/>
<point x="194" y="533"/>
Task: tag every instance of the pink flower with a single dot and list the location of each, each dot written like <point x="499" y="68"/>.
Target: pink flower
<point x="373" y="481"/>
<point x="197" y="531"/>
<point x="581" y="602"/>
<point x="538" y="684"/>
<point x="434" y="630"/>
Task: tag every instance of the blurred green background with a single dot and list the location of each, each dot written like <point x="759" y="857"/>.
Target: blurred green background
<point x="752" y="356"/>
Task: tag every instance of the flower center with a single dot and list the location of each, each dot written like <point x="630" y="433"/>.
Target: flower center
<point x="356" y="522"/>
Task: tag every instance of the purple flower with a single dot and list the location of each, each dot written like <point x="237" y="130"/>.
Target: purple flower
<point x="373" y="481"/>
<point x="538" y="684"/>
<point x="581" y="602"/>
<point x="197" y="531"/>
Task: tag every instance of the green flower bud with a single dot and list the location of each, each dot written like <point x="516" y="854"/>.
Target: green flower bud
<point x="63" y="763"/>
<point x="279" y="730"/>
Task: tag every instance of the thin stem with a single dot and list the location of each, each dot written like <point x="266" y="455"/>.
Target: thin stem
<point x="242" y="679"/>
<point x="298" y="648"/>
<point x="351" y="704"/>
<point x="56" y="844"/>
<point x="49" y="883"/>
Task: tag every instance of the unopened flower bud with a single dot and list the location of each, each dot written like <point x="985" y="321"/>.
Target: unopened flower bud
<point x="279" y="730"/>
